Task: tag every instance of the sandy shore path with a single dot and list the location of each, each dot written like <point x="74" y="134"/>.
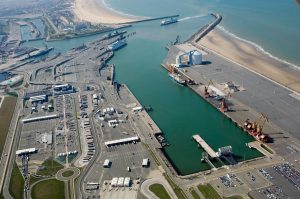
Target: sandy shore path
<point x="248" y="56"/>
<point x="95" y="11"/>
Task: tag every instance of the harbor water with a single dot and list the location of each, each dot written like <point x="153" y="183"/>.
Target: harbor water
<point x="178" y="111"/>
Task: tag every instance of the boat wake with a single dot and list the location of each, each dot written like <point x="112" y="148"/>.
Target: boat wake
<point x="193" y="17"/>
<point x="258" y="47"/>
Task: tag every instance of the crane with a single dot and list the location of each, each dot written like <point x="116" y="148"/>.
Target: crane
<point x="206" y="93"/>
<point x="223" y="104"/>
<point x="172" y="69"/>
<point x="261" y="122"/>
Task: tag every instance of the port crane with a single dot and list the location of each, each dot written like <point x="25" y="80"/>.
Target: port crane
<point x="206" y="93"/>
<point x="172" y="69"/>
<point x="261" y="122"/>
<point x="223" y="104"/>
<point x="255" y="128"/>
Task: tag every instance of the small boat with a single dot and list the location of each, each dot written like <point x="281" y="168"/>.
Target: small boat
<point x="177" y="78"/>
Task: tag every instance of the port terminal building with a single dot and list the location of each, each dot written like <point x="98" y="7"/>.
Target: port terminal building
<point x="122" y="141"/>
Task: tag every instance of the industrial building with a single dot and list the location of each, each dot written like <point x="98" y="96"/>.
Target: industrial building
<point x="27" y="96"/>
<point x="26" y="151"/>
<point x="34" y="119"/>
<point x="121" y="182"/>
<point x="122" y="141"/>
<point x="63" y="89"/>
<point x="38" y="98"/>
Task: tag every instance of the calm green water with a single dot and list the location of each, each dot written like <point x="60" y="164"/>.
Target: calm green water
<point x="178" y="111"/>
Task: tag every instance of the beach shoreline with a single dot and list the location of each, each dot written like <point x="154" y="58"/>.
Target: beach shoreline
<point x="97" y="12"/>
<point x="249" y="56"/>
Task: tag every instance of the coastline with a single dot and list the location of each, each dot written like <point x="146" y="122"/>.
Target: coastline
<point x="252" y="58"/>
<point x="97" y="12"/>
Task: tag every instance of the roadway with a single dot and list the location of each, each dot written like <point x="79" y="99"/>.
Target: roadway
<point x="11" y="144"/>
<point x="86" y="169"/>
<point x="149" y="194"/>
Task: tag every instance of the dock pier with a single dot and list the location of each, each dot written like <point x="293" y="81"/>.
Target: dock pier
<point x="207" y="160"/>
<point x="205" y="146"/>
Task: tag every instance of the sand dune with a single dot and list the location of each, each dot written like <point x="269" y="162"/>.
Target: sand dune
<point x="96" y="12"/>
<point x="248" y="56"/>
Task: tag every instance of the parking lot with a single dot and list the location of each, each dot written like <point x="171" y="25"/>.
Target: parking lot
<point x="274" y="192"/>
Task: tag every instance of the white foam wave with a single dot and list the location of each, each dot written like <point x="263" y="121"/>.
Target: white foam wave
<point x="258" y="47"/>
<point x="193" y="17"/>
<point x="109" y="7"/>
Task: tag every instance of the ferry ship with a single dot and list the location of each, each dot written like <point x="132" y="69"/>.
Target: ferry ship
<point x="117" y="45"/>
<point x="168" y="21"/>
<point x="39" y="53"/>
<point x="177" y="78"/>
<point x="113" y="34"/>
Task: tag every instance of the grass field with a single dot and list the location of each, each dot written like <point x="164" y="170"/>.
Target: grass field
<point x="179" y="192"/>
<point x="209" y="192"/>
<point x="159" y="191"/>
<point x="6" y="113"/>
<point x="16" y="185"/>
<point x="34" y="179"/>
<point x="68" y="173"/>
<point x="194" y="193"/>
<point x="48" y="189"/>
<point x="51" y="168"/>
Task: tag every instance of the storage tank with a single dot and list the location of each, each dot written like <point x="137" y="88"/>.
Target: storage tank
<point x="197" y="58"/>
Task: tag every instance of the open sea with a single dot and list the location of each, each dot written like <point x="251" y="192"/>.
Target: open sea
<point x="178" y="111"/>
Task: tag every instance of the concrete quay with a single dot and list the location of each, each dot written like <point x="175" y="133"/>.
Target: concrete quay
<point x="258" y="95"/>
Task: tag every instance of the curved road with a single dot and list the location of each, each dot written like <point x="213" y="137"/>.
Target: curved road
<point x="59" y="174"/>
<point x="149" y="194"/>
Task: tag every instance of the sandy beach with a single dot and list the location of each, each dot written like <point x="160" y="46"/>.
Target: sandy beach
<point x="96" y="12"/>
<point x="250" y="57"/>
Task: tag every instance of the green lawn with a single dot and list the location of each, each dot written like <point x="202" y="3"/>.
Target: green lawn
<point x="34" y="179"/>
<point x="209" y="192"/>
<point x="159" y="191"/>
<point x="68" y="173"/>
<point x="179" y="192"/>
<point x="194" y="193"/>
<point x="16" y="185"/>
<point x="48" y="189"/>
<point x="6" y="113"/>
<point x="51" y="168"/>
